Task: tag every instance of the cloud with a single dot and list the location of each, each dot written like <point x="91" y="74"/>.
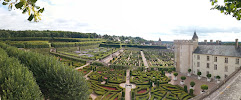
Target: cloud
<point x="169" y="19"/>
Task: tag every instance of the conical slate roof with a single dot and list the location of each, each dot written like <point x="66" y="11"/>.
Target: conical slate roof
<point x="194" y="36"/>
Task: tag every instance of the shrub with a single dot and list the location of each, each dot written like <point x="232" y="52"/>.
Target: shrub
<point x="183" y="78"/>
<point x="192" y="83"/>
<point x="175" y="74"/>
<point x="191" y="92"/>
<point x="189" y="70"/>
<point x="209" y="75"/>
<point x="16" y="81"/>
<point x="199" y="73"/>
<point x="185" y="88"/>
<point x="170" y="71"/>
<point x="218" y="77"/>
<point x="204" y="87"/>
<point x="55" y="80"/>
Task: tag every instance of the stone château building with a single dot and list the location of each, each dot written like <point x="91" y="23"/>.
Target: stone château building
<point x="207" y="57"/>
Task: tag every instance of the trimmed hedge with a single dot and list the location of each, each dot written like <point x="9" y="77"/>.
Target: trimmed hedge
<point x="16" y="81"/>
<point x="69" y="57"/>
<point x="74" y="44"/>
<point x="55" y="80"/>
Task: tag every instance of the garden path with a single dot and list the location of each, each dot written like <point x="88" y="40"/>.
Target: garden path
<point x="81" y="67"/>
<point x="144" y="59"/>
<point x="110" y="57"/>
<point x="86" y="76"/>
<point x="128" y="89"/>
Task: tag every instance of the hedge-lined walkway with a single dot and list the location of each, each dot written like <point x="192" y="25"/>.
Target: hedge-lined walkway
<point x="81" y="67"/>
<point x="144" y="59"/>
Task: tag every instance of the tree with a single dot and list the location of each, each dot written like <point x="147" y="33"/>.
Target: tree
<point x="204" y="87"/>
<point x="218" y="77"/>
<point x="175" y="74"/>
<point x="191" y="91"/>
<point x="189" y="70"/>
<point x="230" y="7"/>
<point x="199" y="73"/>
<point x="185" y="88"/>
<point x="209" y="75"/>
<point x="192" y="83"/>
<point x="183" y="78"/>
<point x="26" y="6"/>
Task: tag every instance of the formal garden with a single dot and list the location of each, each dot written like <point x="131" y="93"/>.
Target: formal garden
<point x="130" y="57"/>
<point x="104" y="82"/>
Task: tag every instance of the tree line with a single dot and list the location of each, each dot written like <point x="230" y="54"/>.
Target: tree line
<point x="46" y="33"/>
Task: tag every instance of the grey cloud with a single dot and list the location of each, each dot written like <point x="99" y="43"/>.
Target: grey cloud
<point x="202" y="31"/>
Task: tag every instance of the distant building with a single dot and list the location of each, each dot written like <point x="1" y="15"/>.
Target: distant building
<point x="208" y="58"/>
<point x="159" y="41"/>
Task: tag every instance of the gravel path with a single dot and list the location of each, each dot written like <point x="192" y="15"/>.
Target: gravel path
<point x="144" y="59"/>
<point x="82" y="66"/>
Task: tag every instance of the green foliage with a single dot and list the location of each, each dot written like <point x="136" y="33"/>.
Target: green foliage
<point x="97" y="63"/>
<point x="175" y="74"/>
<point x="16" y="81"/>
<point x="191" y="92"/>
<point x="26" y="6"/>
<point x="204" y="87"/>
<point x="230" y="7"/>
<point x="55" y="80"/>
<point x="199" y="73"/>
<point x="209" y="75"/>
<point x="169" y="70"/>
<point x="185" y="88"/>
<point x="192" y="83"/>
<point x="47" y="35"/>
<point x="218" y="77"/>
<point x="183" y="77"/>
<point x="189" y="70"/>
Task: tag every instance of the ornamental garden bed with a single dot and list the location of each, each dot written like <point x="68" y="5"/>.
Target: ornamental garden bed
<point x="161" y="89"/>
<point x="112" y="77"/>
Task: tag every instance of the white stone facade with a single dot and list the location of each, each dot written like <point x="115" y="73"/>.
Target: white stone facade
<point x="215" y="65"/>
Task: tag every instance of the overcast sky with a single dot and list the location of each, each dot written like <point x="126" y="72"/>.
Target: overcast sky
<point x="149" y="19"/>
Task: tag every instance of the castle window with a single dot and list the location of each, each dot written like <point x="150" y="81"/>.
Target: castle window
<point x="207" y="58"/>
<point x="215" y="67"/>
<point x="198" y="64"/>
<point x="226" y="68"/>
<point x="198" y="57"/>
<point x="226" y="60"/>
<point x="207" y="65"/>
<point x="215" y="59"/>
<point x="237" y="61"/>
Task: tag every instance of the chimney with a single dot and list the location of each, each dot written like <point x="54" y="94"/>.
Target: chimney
<point x="217" y="42"/>
<point x="205" y="41"/>
<point x="236" y="43"/>
<point x="211" y="41"/>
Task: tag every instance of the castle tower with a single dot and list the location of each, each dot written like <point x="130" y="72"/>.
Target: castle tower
<point x="183" y="50"/>
<point x="159" y="41"/>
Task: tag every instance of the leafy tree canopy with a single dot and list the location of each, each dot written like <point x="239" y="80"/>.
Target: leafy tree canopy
<point x="28" y="6"/>
<point x="230" y="7"/>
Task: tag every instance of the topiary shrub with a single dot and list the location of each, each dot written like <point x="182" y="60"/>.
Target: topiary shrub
<point x="185" y="88"/>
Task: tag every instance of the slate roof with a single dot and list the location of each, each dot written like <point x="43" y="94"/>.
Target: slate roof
<point x="221" y="50"/>
<point x="194" y="36"/>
